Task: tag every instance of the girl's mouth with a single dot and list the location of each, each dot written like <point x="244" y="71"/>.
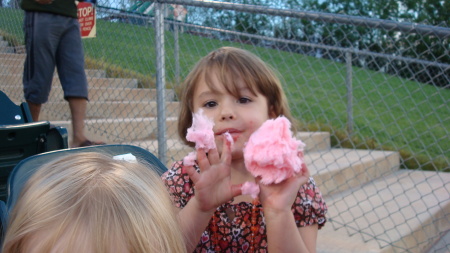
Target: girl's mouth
<point x="229" y="130"/>
<point x="233" y="132"/>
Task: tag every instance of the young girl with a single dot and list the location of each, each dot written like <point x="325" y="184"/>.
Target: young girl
<point x="239" y="92"/>
<point x="89" y="202"/>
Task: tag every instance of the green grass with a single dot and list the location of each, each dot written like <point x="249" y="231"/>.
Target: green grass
<point x="389" y="113"/>
<point x="11" y="26"/>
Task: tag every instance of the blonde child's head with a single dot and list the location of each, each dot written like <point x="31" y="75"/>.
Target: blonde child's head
<point x="230" y="65"/>
<point x="89" y="202"/>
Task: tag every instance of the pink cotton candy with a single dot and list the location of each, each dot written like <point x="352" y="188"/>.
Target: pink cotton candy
<point x="189" y="160"/>
<point x="250" y="188"/>
<point x="272" y="152"/>
<point x="229" y="138"/>
<point x="201" y="132"/>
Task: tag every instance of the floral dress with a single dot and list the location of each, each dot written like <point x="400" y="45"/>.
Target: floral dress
<point x="235" y="235"/>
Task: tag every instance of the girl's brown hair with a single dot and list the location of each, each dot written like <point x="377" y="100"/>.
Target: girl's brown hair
<point x="230" y="65"/>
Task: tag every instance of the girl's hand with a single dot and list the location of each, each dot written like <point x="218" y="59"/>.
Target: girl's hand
<point x="280" y="197"/>
<point x="213" y="185"/>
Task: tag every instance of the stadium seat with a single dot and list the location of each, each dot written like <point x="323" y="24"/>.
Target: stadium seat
<point x="20" y="137"/>
<point x="2" y="221"/>
<point x="11" y="114"/>
<point x="20" y="141"/>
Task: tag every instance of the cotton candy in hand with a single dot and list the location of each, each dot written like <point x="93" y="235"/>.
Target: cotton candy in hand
<point x="250" y="188"/>
<point x="189" y="160"/>
<point x="229" y="139"/>
<point x="272" y="152"/>
<point x="201" y="132"/>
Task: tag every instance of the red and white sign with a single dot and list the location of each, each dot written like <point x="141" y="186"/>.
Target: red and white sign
<point x="86" y="17"/>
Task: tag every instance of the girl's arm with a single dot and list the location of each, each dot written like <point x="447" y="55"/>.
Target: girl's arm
<point x="282" y="232"/>
<point x="284" y="236"/>
<point x="212" y="188"/>
<point x="193" y="222"/>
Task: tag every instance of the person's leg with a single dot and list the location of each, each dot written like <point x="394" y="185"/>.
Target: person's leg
<point x="70" y="66"/>
<point x="78" y="111"/>
<point x="41" y="41"/>
<point x="35" y="110"/>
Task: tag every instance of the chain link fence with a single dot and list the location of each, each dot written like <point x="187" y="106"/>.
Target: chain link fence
<point x="367" y="87"/>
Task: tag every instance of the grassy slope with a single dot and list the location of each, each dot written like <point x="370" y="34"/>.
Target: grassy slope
<point x="397" y="113"/>
<point x="11" y="23"/>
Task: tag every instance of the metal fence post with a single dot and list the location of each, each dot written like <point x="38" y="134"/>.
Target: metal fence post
<point x="176" y="27"/>
<point x="160" y="81"/>
<point x="348" y="82"/>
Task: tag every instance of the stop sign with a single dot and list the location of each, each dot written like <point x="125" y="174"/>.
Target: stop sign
<point x="86" y="17"/>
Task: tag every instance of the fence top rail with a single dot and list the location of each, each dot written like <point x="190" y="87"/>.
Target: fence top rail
<point x="326" y="47"/>
<point x="123" y="13"/>
<point x="428" y="30"/>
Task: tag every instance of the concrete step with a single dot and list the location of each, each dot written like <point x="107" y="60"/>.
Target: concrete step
<point x="374" y="164"/>
<point x="315" y="141"/>
<point x="177" y="150"/>
<point x="337" y="170"/>
<point x="10" y="51"/>
<point x="52" y="111"/>
<point x="400" y="211"/>
<point x="12" y="56"/>
<point x="128" y="94"/>
<point x="122" y="129"/>
<point x="93" y="82"/>
<point x="442" y="245"/>
<point x="331" y="240"/>
<point x="15" y="92"/>
<point x="14" y="60"/>
<point x="18" y="70"/>
<point x="4" y="49"/>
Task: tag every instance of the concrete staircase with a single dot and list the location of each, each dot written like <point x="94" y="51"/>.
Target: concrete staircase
<point x="373" y="205"/>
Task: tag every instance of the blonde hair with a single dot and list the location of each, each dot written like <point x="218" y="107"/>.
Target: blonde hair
<point x="94" y="202"/>
<point x="230" y="65"/>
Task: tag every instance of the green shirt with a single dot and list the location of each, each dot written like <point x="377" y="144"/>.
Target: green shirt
<point x="61" y="7"/>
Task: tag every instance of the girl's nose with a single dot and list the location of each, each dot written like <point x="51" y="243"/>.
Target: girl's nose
<point x="228" y="108"/>
<point x="227" y="112"/>
<point x="227" y="116"/>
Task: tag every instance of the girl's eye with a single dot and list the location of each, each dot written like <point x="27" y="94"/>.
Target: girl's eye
<point x="244" y="100"/>
<point x="210" y="104"/>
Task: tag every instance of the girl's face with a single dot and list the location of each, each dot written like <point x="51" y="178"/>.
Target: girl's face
<point x="240" y="116"/>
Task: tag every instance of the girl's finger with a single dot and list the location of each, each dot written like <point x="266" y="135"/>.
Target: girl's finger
<point x="305" y="170"/>
<point x="226" y="151"/>
<point x="236" y="190"/>
<point x="193" y="174"/>
<point x="202" y="160"/>
<point x="213" y="156"/>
